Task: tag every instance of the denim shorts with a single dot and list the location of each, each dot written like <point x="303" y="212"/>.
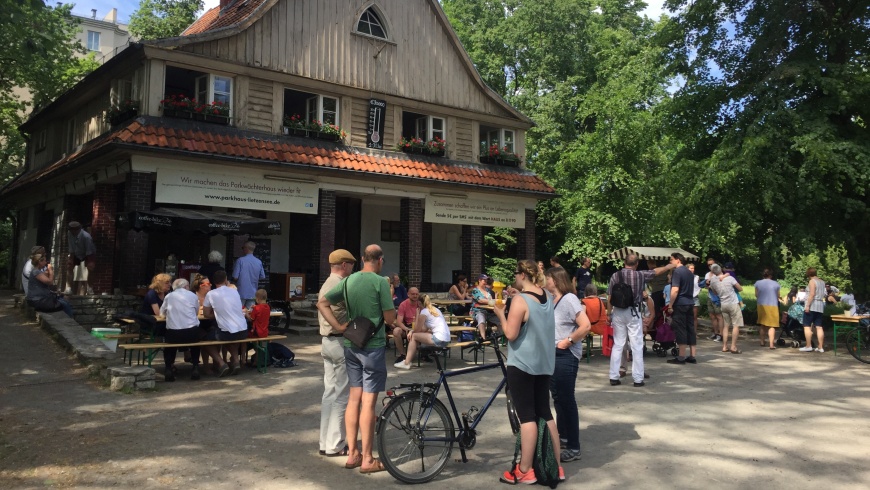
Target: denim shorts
<point x="812" y="318"/>
<point x="440" y="343"/>
<point x="366" y="368"/>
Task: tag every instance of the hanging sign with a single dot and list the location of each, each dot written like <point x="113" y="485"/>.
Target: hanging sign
<point x="375" y="126"/>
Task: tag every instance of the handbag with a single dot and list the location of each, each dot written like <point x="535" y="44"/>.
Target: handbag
<point x="360" y="330"/>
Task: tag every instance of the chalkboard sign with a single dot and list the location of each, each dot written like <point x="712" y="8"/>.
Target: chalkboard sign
<point x="375" y="127"/>
<point x="264" y="253"/>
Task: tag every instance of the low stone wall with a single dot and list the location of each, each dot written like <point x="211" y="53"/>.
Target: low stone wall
<point x="131" y="378"/>
<point x="97" y="311"/>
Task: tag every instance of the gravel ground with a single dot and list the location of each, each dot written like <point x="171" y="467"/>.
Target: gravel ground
<point x="774" y="419"/>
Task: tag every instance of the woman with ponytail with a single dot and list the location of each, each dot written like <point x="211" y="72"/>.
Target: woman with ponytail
<point x="530" y="328"/>
<point x="429" y="329"/>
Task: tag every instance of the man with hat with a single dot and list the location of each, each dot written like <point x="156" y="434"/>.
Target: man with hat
<point x="81" y="251"/>
<point x="481" y="296"/>
<point x="335" y="381"/>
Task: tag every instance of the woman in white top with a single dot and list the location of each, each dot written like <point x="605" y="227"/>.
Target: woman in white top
<point x="429" y="329"/>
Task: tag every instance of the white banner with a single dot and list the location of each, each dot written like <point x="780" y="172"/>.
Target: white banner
<point x="244" y="191"/>
<point x="458" y="211"/>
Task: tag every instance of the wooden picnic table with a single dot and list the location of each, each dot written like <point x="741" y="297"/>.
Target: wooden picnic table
<point x="451" y="301"/>
<point x="161" y="318"/>
<point x="846" y="323"/>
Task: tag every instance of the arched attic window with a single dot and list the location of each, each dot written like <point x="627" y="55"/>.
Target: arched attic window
<point x="370" y="24"/>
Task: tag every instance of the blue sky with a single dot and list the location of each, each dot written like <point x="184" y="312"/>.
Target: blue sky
<point x="126" y="7"/>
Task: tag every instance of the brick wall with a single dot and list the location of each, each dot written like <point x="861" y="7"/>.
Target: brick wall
<point x="526" y="238"/>
<point x="472" y="251"/>
<point x="326" y="232"/>
<point x="426" y="257"/>
<point x="103" y="231"/>
<point x="134" y="246"/>
<point x="411" y="244"/>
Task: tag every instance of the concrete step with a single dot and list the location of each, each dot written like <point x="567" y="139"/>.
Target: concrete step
<point x="305" y="313"/>
<point x="302" y="322"/>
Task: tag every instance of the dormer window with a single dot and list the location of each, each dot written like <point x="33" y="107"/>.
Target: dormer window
<point x="370" y="24"/>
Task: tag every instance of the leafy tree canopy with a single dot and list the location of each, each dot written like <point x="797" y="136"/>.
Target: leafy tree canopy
<point x="157" y="19"/>
<point x="772" y="122"/>
<point x="39" y="57"/>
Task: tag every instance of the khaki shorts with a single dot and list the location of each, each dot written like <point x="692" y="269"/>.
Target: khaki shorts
<point x="732" y="316"/>
<point x="712" y="308"/>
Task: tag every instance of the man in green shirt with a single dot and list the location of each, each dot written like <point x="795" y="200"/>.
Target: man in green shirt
<point x="368" y="295"/>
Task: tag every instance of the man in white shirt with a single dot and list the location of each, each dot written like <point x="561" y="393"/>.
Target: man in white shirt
<point x="225" y="305"/>
<point x="180" y="307"/>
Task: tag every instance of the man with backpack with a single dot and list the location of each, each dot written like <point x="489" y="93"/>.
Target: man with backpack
<point x="624" y="294"/>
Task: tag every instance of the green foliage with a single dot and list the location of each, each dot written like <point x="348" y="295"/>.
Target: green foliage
<point x="157" y="19"/>
<point x="832" y="266"/>
<point x="771" y="123"/>
<point x="499" y="246"/>
<point x="39" y="56"/>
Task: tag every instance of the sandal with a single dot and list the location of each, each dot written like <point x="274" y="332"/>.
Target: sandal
<point x="357" y="462"/>
<point x="342" y="452"/>
<point x="376" y="467"/>
<point x="622" y="373"/>
<point x="736" y="351"/>
<point x="725" y="350"/>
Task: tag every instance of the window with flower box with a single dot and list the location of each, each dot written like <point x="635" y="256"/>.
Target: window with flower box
<point x="498" y="146"/>
<point x="423" y="134"/>
<point x="311" y="115"/>
<point x="191" y="94"/>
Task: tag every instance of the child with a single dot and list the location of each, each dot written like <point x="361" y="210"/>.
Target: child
<point x="259" y="315"/>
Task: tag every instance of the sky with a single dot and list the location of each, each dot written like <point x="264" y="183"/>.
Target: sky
<point x="127" y="7"/>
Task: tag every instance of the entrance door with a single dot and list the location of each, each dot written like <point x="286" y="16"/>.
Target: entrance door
<point x="348" y="225"/>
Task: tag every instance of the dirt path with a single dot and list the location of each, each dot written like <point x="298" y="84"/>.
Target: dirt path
<point x="775" y="419"/>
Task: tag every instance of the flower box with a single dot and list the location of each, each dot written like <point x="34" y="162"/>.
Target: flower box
<point x="177" y="114"/>
<point x="319" y="135"/>
<point x="294" y="132"/>
<point x="216" y="119"/>
<point x="423" y="151"/>
<point x="123" y="116"/>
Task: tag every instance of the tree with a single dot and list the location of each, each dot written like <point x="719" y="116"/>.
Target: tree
<point x="157" y="19"/>
<point x="39" y="56"/>
<point x="590" y="76"/>
<point x="772" y="122"/>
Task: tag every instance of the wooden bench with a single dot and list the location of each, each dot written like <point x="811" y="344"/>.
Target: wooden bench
<point x="261" y="346"/>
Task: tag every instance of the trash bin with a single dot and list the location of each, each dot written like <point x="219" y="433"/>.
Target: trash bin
<point x="100" y="333"/>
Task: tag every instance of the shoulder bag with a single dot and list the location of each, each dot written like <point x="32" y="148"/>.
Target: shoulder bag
<point x="360" y="330"/>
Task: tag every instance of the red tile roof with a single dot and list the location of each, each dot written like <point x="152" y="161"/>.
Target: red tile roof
<point x="216" y="141"/>
<point x="213" y="19"/>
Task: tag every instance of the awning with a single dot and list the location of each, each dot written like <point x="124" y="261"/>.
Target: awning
<point x="196" y="221"/>
<point x="653" y="253"/>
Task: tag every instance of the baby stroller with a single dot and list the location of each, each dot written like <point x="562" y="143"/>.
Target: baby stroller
<point x="792" y="331"/>
<point x="663" y="335"/>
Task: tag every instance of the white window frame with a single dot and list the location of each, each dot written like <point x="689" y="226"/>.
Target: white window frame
<point x="381" y="23"/>
<point x="97" y="35"/>
<point x="428" y="130"/>
<point x="499" y="137"/>
<point x="317" y="110"/>
<point x="205" y="85"/>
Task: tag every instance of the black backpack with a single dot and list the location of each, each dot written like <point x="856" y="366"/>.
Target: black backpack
<point x="621" y="294"/>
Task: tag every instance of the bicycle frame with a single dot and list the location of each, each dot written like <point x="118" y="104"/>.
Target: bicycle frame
<point x="433" y="389"/>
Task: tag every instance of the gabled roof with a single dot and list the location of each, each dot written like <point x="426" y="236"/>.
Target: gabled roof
<point x="218" y="24"/>
<point x="220" y="143"/>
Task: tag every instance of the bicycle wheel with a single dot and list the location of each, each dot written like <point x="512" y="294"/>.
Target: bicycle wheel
<point x="415" y="452"/>
<point x="858" y="344"/>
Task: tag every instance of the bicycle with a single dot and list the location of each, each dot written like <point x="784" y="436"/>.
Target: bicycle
<point x="858" y="339"/>
<point x="415" y="432"/>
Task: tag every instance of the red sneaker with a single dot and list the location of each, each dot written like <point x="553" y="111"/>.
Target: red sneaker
<point x="561" y="474"/>
<point x="518" y="477"/>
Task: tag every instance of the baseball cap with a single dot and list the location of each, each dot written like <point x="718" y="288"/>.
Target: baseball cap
<point x="341" y="255"/>
<point x="75" y="224"/>
<point x="482" y="276"/>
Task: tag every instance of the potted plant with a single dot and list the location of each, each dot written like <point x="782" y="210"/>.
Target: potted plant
<point x="217" y="112"/>
<point x="500" y="156"/>
<point x="295" y="126"/>
<point x="436" y="147"/>
<point x="331" y="132"/>
<point x="124" y="111"/>
<point x="180" y="106"/>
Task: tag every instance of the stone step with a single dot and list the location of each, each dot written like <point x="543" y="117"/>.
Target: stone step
<point x="303" y="322"/>
<point x="305" y="313"/>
